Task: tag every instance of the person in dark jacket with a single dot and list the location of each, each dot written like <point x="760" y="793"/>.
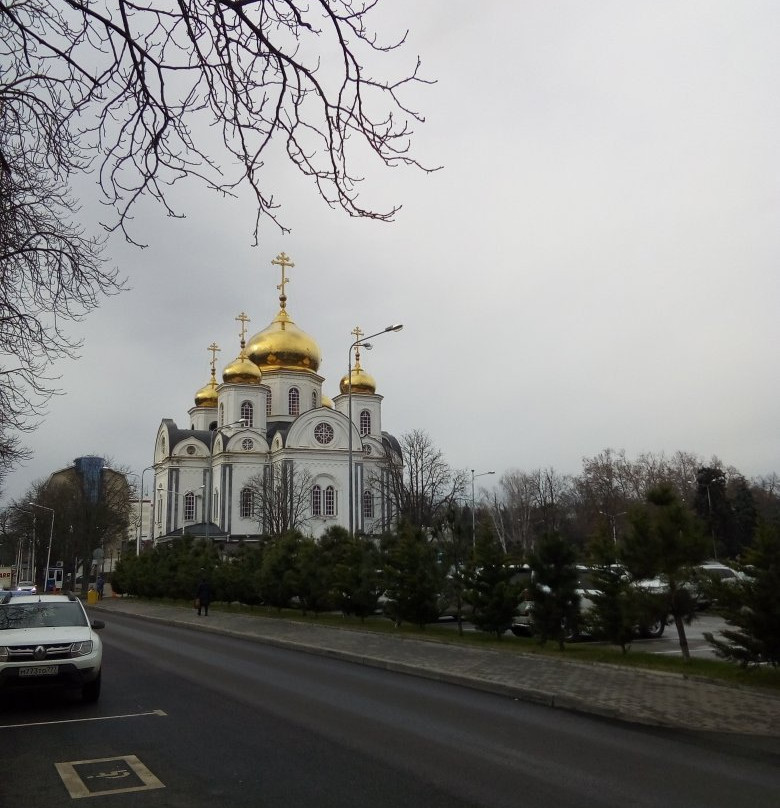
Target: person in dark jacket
<point x="203" y="596"/>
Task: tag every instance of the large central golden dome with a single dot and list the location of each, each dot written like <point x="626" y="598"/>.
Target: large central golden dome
<point x="284" y="345"/>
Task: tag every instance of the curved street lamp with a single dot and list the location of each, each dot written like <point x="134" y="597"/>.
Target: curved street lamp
<point x="51" y="535"/>
<point x="180" y="494"/>
<point x="210" y="484"/>
<point x="141" y="511"/>
<point x="360" y="342"/>
<point x="473" y="522"/>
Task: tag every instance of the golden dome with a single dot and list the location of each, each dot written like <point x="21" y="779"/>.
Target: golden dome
<point x="284" y="345"/>
<point x="241" y="371"/>
<point x="362" y="382"/>
<point x="207" y="396"/>
<point x="327" y="402"/>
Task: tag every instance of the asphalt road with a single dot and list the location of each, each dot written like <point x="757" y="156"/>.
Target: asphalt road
<point x="193" y="719"/>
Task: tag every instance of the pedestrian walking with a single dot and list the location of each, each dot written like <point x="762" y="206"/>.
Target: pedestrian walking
<point x="99" y="585"/>
<point x="203" y="597"/>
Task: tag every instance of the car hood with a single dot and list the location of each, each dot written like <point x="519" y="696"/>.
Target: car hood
<point x="44" y="636"/>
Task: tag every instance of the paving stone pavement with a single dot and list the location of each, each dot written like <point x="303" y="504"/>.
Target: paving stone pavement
<point x="645" y="697"/>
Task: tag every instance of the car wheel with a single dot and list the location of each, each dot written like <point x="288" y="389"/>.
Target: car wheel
<point x="654" y="630"/>
<point x="570" y="631"/>
<point x="91" y="691"/>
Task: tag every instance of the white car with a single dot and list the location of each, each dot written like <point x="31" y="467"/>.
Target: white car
<point x="49" y="640"/>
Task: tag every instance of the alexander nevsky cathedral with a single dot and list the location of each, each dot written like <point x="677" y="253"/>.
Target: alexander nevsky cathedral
<point x="265" y="450"/>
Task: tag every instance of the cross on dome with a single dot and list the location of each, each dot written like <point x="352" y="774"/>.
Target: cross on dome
<point x="214" y="348"/>
<point x="283" y="260"/>
<point x="358" y="334"/>
<point x="243" y="319"/>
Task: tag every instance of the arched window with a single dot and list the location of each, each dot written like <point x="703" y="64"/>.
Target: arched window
<point x="365" y="422"/>
<point x="246" y="503"/>
<point x="221" y="414"/>
<point x="268" y="404"/>
<point x="159" y="511"/>
<point x="215" y="507"/>
<point x="330" y="501"/>
<point x="247" y="413"/>
<point x="368" y="504"/>
<point x="294" y="401"/>
<point x="189" y="507"/>
<point x="316" y="501"/>
<point x="314" y="399"/>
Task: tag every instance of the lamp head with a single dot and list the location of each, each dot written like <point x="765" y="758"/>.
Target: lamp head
<point x="396" y="327"/>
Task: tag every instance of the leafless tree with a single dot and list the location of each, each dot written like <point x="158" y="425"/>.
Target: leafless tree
<point x="145" y="84"/>
<point x="51" y="273"/>
<point x="424" y="485"/>
<point x="138" y="89"/>
<point x="281" y="497"/>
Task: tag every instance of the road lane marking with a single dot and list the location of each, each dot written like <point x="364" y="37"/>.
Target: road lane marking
<point x="103" y="776"/>
<point x="160" y="713"/>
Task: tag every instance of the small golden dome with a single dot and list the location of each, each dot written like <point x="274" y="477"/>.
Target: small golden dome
<point x="241" y="370"/>
<point x="362" y="382"/>
<point x="284" y="345"/>
<point x="207" y="396"/>
<point x="327" y="402"/>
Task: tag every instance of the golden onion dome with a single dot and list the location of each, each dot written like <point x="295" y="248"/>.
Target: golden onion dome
<point x="241" y="371"/>
<point x="327" y="402"/>
<point x="207" y="396"/>
<point x="284" y="345"/>
<point x="362" y="382"/>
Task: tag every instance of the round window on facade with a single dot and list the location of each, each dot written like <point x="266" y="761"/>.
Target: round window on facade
<point x="323" y="433"/>
<point x="247" y="444"/>
<point x="367" y="450"/>
<point x="190" y="450"/>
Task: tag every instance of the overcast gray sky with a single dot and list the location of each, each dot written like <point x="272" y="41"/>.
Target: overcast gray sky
<point x="595" y="266"/>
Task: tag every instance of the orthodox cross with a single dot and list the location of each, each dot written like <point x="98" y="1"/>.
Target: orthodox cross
<point x="213" y="348"/>
<point x="243" y="319"/>
<point x="283" y="260"/>
<point x="357" y="334"/>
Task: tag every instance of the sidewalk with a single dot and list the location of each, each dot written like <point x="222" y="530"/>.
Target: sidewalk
<point x="644" y="697"/>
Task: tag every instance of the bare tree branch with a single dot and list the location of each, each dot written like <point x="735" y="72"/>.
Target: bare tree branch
<point x="141" y="83"/>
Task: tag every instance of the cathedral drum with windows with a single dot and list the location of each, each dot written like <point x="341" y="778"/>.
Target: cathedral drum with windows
<point x="267" y="451"/>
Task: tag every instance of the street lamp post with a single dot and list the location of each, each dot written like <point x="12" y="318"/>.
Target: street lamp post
<point x="20" y="554"/>
<point x="180" y="494"/>
<point x="360" y="342"/>
<point x="613" y="519"/>
<point x="51" y="536"/>
<point x="141" y="511"/>
<point x="210" y="484"/>
<point x="473" y="521"/>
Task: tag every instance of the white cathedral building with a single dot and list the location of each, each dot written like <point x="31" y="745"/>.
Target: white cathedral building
<point x="266" y="447"/>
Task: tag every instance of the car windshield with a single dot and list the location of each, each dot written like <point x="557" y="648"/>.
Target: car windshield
<point x="41" y="615"/>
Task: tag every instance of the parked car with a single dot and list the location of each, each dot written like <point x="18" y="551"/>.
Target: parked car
<point x="49" y="640"/>
<point x="522" y="624"/>
<point x="712" y="572"/>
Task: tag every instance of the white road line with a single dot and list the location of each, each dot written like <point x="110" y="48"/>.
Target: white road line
<point x="83" y="720"/>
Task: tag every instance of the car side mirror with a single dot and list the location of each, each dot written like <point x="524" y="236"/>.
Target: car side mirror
<point x="98" y="624"/>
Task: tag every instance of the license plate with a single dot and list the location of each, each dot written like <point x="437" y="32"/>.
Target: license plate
<point x="40" y="670"/>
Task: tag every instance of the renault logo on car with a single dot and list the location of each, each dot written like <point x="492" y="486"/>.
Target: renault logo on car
<point x="39" y="653"/>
